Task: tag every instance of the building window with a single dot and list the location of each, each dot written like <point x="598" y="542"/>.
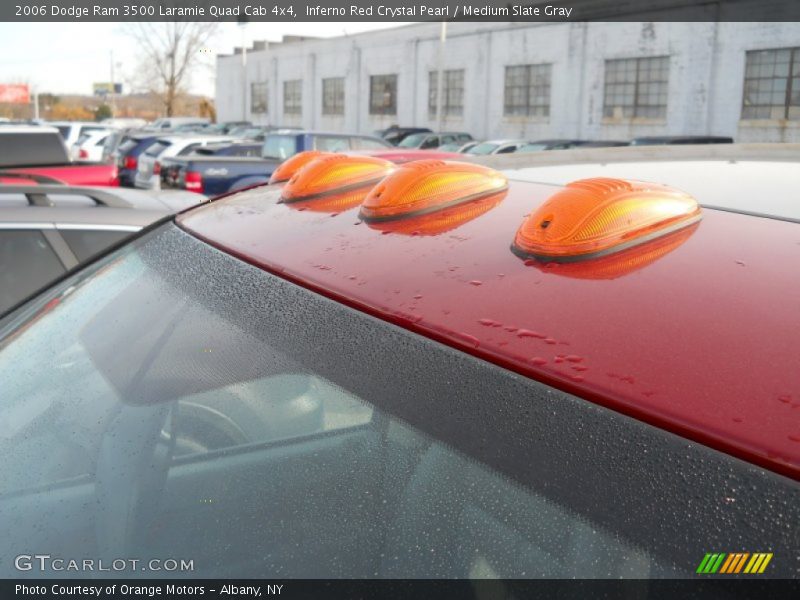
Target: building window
<point x="293" y="97"/>
<point x="333" y="96"/>
<point x="258" y="97"/>
<point x="527" y="90"/>
<point x="772" y="84"/>
<point x="636" y="88"/>
<point x="452" y="92"/>
<point x="383" y="95"/>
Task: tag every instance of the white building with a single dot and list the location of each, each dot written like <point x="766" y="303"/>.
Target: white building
<point x="596" y="80"/>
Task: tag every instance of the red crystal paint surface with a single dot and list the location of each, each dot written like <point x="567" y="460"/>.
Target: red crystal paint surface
<point x="703" y="341"/>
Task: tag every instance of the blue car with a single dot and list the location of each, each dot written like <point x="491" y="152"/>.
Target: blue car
<point x="217" y="174"/>
<point x="131" y="146"/>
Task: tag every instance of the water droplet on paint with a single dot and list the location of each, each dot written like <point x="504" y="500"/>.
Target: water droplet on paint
<point x="529" y="333"/>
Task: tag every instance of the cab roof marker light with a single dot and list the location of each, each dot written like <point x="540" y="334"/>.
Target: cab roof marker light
<point x="590" y="218"/>
<point x="293" y="164"/>
<point x="334" y="174"/>
<point x="425" y="186"/>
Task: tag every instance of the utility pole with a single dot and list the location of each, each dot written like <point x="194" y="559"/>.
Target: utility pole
<point x="244" y="70"/>
<point x="440" y="78"/>
<point x="113" y="87"/>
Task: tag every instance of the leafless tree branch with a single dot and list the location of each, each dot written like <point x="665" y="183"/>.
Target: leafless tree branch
<point x="169" y="52"/>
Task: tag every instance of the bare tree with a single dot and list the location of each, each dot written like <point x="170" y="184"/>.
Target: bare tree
<point x="169" y="52"/>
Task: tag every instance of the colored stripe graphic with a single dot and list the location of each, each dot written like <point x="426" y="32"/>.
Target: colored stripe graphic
<point x="723" y="563"/>
<point x="703" y="563"/>
<point x="726" y="566"/>
<point x="745" y="556"/>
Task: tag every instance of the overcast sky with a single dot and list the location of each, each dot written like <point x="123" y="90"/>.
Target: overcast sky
<point x="65" y="58"/>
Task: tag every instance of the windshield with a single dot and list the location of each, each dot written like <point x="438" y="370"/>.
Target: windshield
<point x="177" y="419"/>
<point x="157" y="148"/>
<point x="279" y="147"/>
<point x="483" y="148"/>
<point x="413" y="140"/>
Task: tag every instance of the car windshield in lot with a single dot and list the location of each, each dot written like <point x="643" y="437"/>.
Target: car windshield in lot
<point x="279" y="146"/>
<point x="413" y="140"/>
<point x="195" y="406"/>
<point x="157" y="148"/>
<point x="483" y="148"/>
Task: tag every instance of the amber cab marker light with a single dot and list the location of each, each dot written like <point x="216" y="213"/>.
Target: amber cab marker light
<point x="425" y="186"/>
<point x="590" y="218"/>
<point x="293" y="164"/>
<point x="335" y="174"/>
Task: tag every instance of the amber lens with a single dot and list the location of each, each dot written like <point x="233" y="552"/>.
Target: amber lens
<point x="334" y="174"/>
<point x="594" y="217"/>
<point x="427" y="186"/>
<point x="293" y="164"/>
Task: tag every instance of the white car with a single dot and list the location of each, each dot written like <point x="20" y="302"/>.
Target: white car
<point x="89" y="147"/>
<point x="170" y="123"/>
<point x="124" y="123"/>
<point x="148" y="170"/>
<point x="72" y="130"/>
<point x="495" y="147"/>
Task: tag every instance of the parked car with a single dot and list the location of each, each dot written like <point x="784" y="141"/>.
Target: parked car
<point x="46" y="230"/>
<point x="224" y="128"/>
<point x="512" y="384"/>
<point x="72" y="130"/>
<point x="178" y="171"/>
<point x="394" y="135"/>
<point x="285" y="143"/>
<point x="124" y="123"/>
<point x="170" y="123"/>
<point x="127" y="153"/>
<point x="458" y="146"/>
<point x="89" y="146"/>
<point x="402" y="155"/>
<point x="40" y="150"/>
<point x="540" y="145"/>
<point x="148" y="169"/>
<point x="430" y="141"/>
<point x="496" y="147"/>
<point x="259" y="132"/>
<point x="680" y="139"/>
<point x="214" y="175"/>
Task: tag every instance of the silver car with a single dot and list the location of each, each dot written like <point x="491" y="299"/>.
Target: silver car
<point x="46" y="230"/>
<point x="148" y="170"/>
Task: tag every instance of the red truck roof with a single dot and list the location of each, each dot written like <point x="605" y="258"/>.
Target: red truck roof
<point x="40" y="151"/>
<point x="77" y="174"/>
<point x="698" y="337"/>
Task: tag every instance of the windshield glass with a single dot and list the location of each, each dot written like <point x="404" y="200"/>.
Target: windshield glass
<point x="157" y="148"/>
<point x="177" y="419"/>
<point x="280" y="147"/>
<point x="413" y="140"/>
<point x="483" y="148"/>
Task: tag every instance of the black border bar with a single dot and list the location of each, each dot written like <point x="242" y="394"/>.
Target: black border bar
<point x="391" y="589"/>
<point x="530" y="11"/>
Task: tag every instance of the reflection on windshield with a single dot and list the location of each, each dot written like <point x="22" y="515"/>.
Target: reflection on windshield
<point x="165" y="425"/>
